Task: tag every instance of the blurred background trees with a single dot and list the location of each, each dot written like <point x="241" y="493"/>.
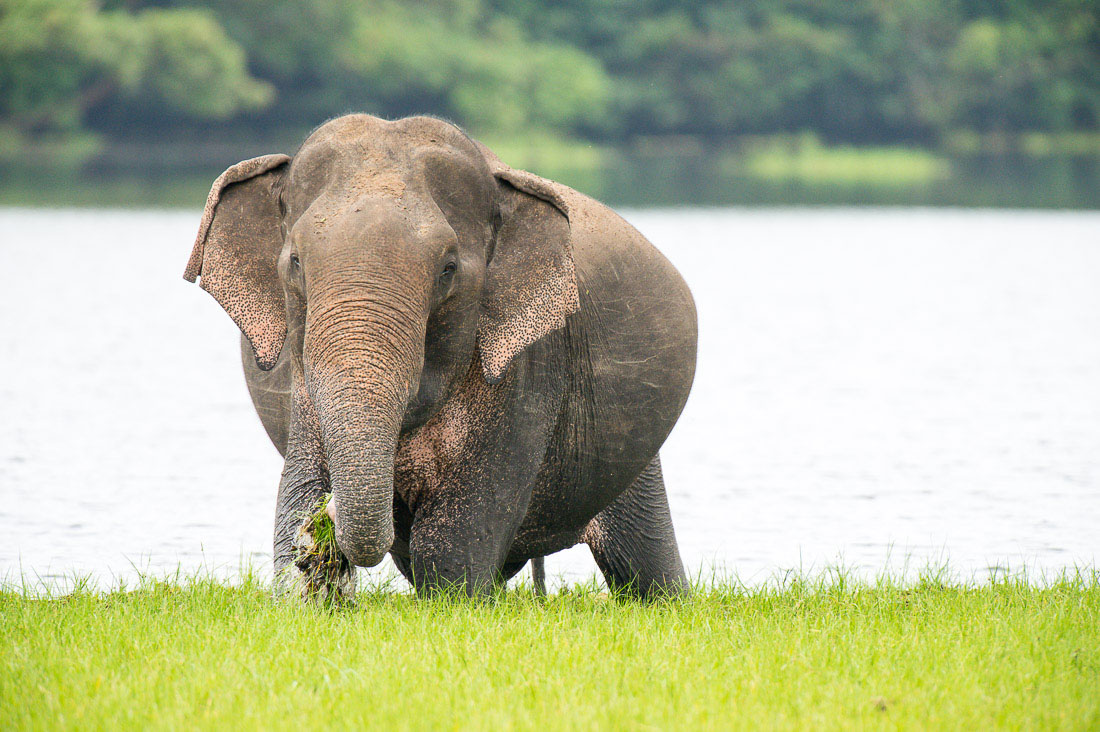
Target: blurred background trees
<point x="63" y="63"/>
<point x="851" y="71"/>
<point x="775" y="90"/>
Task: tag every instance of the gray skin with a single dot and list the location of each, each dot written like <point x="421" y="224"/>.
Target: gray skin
<point x="481" y="365"/>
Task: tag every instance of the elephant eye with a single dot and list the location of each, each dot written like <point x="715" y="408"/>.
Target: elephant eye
<point x="448" y="271"/>
<point x="294" y="260"/>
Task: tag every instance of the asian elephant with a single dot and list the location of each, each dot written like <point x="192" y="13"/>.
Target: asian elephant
<point x="479" y="364"/>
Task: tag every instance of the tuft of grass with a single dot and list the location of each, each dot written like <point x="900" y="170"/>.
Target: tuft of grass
<point x="324" y="568"/>
<point x="800" y="653"/>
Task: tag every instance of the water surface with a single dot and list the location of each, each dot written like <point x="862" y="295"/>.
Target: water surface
<point x="883" y="389"/>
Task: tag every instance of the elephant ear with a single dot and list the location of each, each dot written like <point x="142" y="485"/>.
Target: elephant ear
<point x="237" y="252"/>
<point x="531" y="282"/>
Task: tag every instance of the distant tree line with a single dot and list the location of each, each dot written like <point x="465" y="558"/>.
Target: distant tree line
<point x="851" y="71"/>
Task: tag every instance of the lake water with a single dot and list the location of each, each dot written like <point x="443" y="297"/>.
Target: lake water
<point x="881" y="389"/>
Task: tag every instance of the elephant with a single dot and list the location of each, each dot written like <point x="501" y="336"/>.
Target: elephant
<point x="478" y="364"/>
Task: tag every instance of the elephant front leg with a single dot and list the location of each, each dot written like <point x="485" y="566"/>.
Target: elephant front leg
<point x="467" y="477"/>
<point x="307" y="566"/>
<point x="302" y="567"/>
<point x="459" y="541"/>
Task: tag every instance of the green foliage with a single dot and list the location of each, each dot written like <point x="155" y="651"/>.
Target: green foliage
<point x="488" y="75"/>
<point x="1027" y="73"/>
<point x="190" y="65"/>
<point x="850" y="70"/>
<point x="59" y="59"/>
<point x="803" y="653"/>
<point x="913" y="72"/>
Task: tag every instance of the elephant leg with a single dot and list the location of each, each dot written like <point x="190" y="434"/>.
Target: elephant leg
<point x="301" y="489"/>
<point x="459" y="541"/>
<point x="299" y="494"/>
<point x="538" y="575"/>
<point x="634" y="543"/>
<point x="468" y="474"/>
<point x="447" y="558"/>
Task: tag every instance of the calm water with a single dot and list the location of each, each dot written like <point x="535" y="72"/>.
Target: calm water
<point x="880" y="389"/>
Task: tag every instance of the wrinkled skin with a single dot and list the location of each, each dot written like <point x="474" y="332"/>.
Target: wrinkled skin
<point x="481" y="365"/>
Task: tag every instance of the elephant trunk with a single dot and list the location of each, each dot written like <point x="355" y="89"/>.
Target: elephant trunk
<point x="363" y="360"/>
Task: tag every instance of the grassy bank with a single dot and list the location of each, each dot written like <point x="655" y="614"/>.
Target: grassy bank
<point x="827" y="654"/>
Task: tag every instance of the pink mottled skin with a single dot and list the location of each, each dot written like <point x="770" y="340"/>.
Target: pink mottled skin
<point x="481" y="365"/>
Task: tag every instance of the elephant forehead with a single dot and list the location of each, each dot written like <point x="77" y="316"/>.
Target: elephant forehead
<point x="358" y="126"/>
<point x="353" y="190"/>
<point x="351" y="128"/>
<point x="379" y="181"/>
<point x="361" y="141"/>
<point x="400" y="229"/>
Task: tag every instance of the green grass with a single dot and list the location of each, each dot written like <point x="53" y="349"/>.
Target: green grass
<point x="322" y="527"/>
<point x="794" y="654"/>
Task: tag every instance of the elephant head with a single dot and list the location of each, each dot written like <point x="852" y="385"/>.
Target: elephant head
<point x="386" y="259"/>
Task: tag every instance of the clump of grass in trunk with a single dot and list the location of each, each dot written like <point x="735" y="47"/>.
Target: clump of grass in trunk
<point x="325" y="569"/>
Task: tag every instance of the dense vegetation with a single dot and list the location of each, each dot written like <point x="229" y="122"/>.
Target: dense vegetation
<point x="915" y="72"/>
<point x="797" y="655"/>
